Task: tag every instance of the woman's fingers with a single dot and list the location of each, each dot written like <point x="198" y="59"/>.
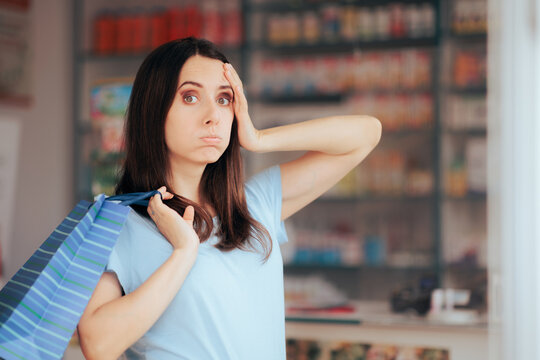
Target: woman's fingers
<point x="235" y="81"/>
<point x="178" y="230"/>
<point x="165" y="195"/>
<point x="152" y="206"/>
<point x="234" y="75"/>
<point x="168" y="196"/>
<point x="156" y="201"/>
<point x="156" y="206"/>
<point x="189" y="215"/>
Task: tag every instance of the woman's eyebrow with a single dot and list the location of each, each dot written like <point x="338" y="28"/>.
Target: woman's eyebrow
<point x="200" y="85"/>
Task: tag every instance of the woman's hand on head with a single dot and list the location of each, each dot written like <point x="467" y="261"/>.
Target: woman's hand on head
<point x="177" y="230"/>
<point x="248" y="135"/>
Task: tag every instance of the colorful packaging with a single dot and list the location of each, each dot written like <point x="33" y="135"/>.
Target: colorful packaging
<point x="112" y="139"/>
<point x="158" y="27"/>
<point x="310" y="27"/>
<point x="232" y="24"/>
<point x="104" y="32"/>
<point x="212" y="23"/>
<point x="109" y="99"/>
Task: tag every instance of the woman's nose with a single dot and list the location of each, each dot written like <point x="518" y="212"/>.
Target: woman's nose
<point x="212" y="115"/>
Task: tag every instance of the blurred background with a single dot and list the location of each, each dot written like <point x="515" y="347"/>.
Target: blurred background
<point x="391" y="263"/>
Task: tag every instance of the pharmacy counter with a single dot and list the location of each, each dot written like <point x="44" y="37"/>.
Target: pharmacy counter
<point x="464" y="336"/>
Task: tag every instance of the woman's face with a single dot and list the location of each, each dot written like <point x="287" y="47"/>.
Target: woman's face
<point x="198" y="125"/>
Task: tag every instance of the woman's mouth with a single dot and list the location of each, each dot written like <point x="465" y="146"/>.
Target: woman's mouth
<point x="211" y="139"/>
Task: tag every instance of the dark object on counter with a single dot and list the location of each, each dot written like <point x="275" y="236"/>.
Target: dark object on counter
<point x="410" y="299"/>
<point x="417" y="299"/>
<point x="298" y="349"/>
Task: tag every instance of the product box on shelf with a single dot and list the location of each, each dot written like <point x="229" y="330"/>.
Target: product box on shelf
<point x="108" y="103"/>
<point x="476" y="154"/>
<point x="109" y="99"/>
<point x="469" y="17"/>
<point x="369" y="73"/>
<point x="334" y="23"/>
<point x="466" y="173"/>
<point x="467" y="113"/>
<point x="469" y="68"/>
<point x="337" y="350"/>
<point x="136" y="29"/>
<point x="105" y="171"/>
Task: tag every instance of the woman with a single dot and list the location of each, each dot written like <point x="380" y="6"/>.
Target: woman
<point x="198" y="274"/>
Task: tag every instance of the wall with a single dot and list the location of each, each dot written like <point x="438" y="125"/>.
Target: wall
<point x="514" y="175"/>
<point x="44" y="175"/>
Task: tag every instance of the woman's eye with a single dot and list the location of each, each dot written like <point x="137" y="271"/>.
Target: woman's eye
<point x="224" y="101"/>
<point x="190" y="99"/>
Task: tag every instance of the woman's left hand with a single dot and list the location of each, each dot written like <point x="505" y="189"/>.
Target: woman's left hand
<point x="248" y="135"/>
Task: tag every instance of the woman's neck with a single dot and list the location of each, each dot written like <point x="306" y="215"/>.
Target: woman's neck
<point x="185" y="181"/>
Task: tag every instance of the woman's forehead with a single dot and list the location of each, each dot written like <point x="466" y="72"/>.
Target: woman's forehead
<point x="203" y="70"/>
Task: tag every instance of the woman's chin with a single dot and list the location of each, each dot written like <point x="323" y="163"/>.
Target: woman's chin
<point x="209" y="157"/>
<point x="212" y="159"/>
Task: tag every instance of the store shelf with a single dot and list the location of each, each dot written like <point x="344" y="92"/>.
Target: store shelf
<point x="467" y="197"/>
<point x="371" y="313"/>
<point x="90" y="57"/>
<point x="409" y="132"/>
<point x="393" y="91"/>
<point x="469" y="91"/>
<point x="362" y="267"/>
<point x="297" y="99"/>
<point x="466" y="132"/>
<point x="322" y="319"/>
<point x="314" y="266"/>
<point x="374" y="198"/>
<point x="346" y="46"/>
<point x="429" y="139"/>
<point x="314" y="98"/>
<point x="465" y="268"/>
<point x="469" y="37"/>
<point x="299" y="5"/>
<point x="135" y="57"/>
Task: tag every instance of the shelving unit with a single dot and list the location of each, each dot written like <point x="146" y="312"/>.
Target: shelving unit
<point x="418" y="216"/>
<point x="362" y="280"/>
<point x="464" y="208"/>
<point x="90" y="66"/>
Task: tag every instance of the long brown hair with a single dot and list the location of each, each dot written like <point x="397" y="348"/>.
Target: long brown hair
<point x="147" y="167"/>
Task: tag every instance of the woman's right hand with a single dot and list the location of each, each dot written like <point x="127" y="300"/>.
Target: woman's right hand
<point x="177" y="230"/>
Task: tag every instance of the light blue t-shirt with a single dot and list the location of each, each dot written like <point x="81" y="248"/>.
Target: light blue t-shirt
<point x="231" y="304"/>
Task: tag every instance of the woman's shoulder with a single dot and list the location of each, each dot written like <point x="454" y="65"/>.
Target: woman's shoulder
<point x="136" y="220"/>
<point x="138" y="228"/>
<point x="263" y="190"/>
<point x="264" y="200"/>
<point x="268" y="177"/>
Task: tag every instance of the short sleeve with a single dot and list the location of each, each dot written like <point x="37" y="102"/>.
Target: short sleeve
<point x="264" y="198"/>
<point x="119" y="260"/>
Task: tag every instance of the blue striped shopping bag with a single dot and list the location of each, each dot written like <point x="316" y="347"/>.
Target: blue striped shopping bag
<point x="42" y="303"/>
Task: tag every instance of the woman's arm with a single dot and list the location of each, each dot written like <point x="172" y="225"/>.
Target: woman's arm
<point x="335" y="135"/>
<point x="112" y="322"/>
<point x="334" y="145"/>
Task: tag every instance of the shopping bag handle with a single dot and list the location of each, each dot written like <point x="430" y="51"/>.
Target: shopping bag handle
<point x="136" y="198"/>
